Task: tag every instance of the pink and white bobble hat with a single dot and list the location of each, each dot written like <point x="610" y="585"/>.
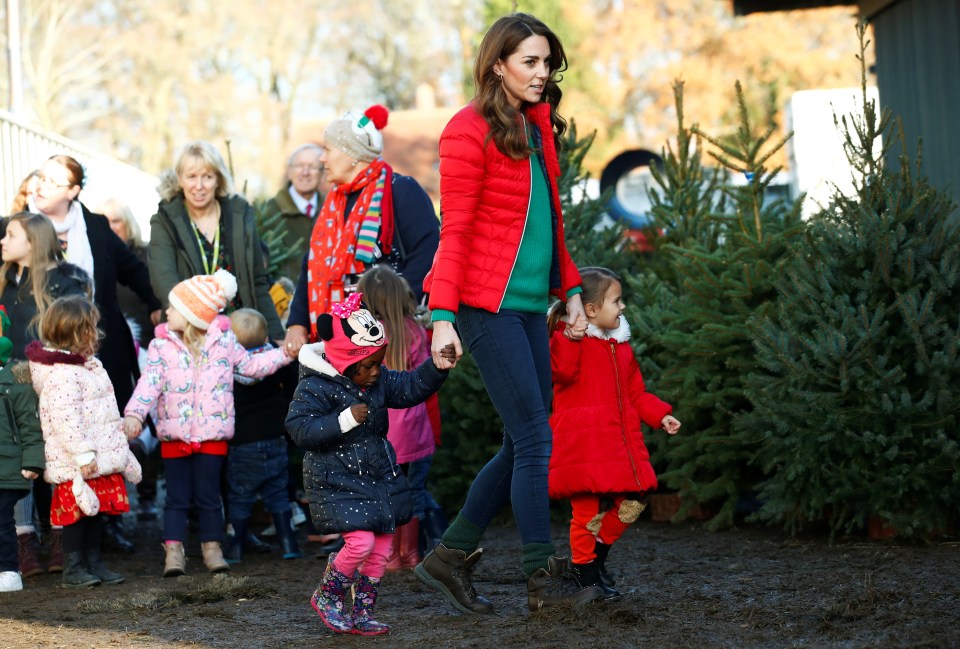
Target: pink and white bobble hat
<point x="200" y="298"/>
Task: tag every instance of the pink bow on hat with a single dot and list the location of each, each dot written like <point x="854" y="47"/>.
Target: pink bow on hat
<point x="346" y="308"/>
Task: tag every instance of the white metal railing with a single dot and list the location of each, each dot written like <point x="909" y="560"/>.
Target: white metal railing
<point x="24" y="147"/>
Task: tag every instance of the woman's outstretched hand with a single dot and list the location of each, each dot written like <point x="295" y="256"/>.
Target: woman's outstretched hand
<point x="445" y="347"/>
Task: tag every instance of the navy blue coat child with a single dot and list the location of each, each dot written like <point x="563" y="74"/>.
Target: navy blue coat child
<point x="351" y="478"/>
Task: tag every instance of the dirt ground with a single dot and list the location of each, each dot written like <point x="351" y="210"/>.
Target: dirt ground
<point x="683" y="586"/>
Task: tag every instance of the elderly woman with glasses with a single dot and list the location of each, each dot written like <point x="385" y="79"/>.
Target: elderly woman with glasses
<point x="370" y="216"/>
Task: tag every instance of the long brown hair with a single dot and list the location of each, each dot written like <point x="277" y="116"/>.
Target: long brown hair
<point x="594" y="282"/>
<point x="71" y="324"/>
<point x="501" y="40"/>
<point x="390" y="299"/>
<point x="44" y="255"/>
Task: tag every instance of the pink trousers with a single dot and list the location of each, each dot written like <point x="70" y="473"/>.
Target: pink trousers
<point x="364" y="551"/>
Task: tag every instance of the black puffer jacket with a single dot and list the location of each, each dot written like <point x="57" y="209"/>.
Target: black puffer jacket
<point x="352" y="479"/>
<point x="63" y="279"/>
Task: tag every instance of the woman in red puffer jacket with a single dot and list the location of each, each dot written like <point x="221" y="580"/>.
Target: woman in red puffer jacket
<point x="501" y="255"/>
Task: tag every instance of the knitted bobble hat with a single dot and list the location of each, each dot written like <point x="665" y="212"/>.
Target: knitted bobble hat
<point x="200" y="298"/>
<point x="358" y="135"/>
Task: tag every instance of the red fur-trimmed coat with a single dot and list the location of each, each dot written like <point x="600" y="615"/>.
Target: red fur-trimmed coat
<point x="599" y="402"/>
<point x="484" y="200"/>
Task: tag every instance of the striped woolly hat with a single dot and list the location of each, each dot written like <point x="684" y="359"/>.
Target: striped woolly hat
<point x="200" y="298"/>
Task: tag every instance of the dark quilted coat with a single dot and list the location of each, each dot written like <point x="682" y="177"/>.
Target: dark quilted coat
<point x="484" y="198"/>
<point x="352" y="479"/>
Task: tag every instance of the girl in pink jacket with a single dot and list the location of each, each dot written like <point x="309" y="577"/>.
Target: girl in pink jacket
<point x="87" y="456"/>
<point x="189" y="380"/>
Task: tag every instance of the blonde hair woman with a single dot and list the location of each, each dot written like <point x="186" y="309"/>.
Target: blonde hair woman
<point x="201" y="225"/>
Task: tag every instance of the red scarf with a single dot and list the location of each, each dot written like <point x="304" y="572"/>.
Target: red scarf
<point x="333" y="242"/>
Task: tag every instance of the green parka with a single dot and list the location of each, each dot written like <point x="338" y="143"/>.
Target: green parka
<point x="21" y="441"/>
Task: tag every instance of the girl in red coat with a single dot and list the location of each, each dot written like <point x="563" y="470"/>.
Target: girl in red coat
<point x="599" y="402"/>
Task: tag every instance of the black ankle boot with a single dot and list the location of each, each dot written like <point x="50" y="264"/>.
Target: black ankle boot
<point x="114" y="536"/>
<point x="75" y="573"/>
<point x="588" y="574"/>
<point x="233" y="549"/>
<point x="602" y="550"/>
<point x="286" y="535"/>
<point x="555" y="585"/>
<point x="99" y="570"/>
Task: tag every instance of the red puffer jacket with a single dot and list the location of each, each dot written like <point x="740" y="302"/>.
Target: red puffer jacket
<point x="599" y="400"/>
<point x="484" y="196"/>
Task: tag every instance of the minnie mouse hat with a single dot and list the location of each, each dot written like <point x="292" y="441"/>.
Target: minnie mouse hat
<point x="351" y="333"/>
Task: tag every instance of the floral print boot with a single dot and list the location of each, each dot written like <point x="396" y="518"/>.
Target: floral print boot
<point x="328" y="599"/>
<point x="364" y="601"/>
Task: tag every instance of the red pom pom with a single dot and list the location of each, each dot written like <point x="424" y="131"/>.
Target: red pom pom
<point x="378" y="115"/>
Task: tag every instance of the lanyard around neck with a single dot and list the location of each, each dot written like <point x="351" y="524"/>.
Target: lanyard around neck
<point x="208" y="268"/>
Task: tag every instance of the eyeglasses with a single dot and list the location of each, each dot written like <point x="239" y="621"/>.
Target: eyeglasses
<point x="50" y="182"/>
<point x="306" y="167"/>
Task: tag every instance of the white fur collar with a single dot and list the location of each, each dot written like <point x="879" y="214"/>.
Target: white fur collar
<point x="621" y="334"/>
<point x="313" y="357"/>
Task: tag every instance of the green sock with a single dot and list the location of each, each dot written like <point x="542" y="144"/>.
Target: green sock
<point x="535" y="556"/>
<point x="462" y="535"/>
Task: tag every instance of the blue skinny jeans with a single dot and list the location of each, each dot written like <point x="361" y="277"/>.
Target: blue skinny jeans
<point x="512" y="352"/>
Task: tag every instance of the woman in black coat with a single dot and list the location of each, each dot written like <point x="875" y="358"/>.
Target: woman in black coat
<point x="90" y="244"/>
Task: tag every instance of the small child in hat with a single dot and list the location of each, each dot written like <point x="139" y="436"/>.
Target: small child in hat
<point x="189" y="377"/>
<point x="21" y="435"/>
<point x="354" y="485"/>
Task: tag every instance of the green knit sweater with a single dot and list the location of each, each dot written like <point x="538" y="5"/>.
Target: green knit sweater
<point x="529" y="286"/>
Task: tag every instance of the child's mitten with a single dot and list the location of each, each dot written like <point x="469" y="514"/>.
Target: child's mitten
<point x="132" y="471"/>
<point x="85" y="496"/>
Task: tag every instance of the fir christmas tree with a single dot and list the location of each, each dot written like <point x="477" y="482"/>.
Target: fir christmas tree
<point x="724" y="255"/>
<point x="270" y="233"/>
<point x="859" y="393"/>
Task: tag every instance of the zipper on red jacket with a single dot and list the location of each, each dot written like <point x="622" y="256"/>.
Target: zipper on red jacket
<point x="623" y="427"/>
<point x="526" y="219"/>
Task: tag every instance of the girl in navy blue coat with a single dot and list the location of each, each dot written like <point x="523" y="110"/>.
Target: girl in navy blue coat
<point x="350" y="473"/>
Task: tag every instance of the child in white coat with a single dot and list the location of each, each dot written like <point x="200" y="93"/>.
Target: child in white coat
<point x="87" y="455"/>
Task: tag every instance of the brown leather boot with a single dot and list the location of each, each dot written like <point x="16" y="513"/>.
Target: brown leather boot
<point x="27" y="553"/>
<point x="55" y="562"/>
<point x="175" y="563"/>
<point x="213" y="557"/>
<point x="451" y="572"/>
<point x="556" y="585"/>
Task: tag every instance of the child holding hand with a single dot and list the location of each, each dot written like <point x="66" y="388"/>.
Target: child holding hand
<point x="87" y="455"/>
<point x="339" y="416"/>
<point x="598" y="405"/>
<point x="189" y="377"/>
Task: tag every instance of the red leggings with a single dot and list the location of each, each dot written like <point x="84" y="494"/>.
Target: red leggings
<point x="582" y="540"/>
